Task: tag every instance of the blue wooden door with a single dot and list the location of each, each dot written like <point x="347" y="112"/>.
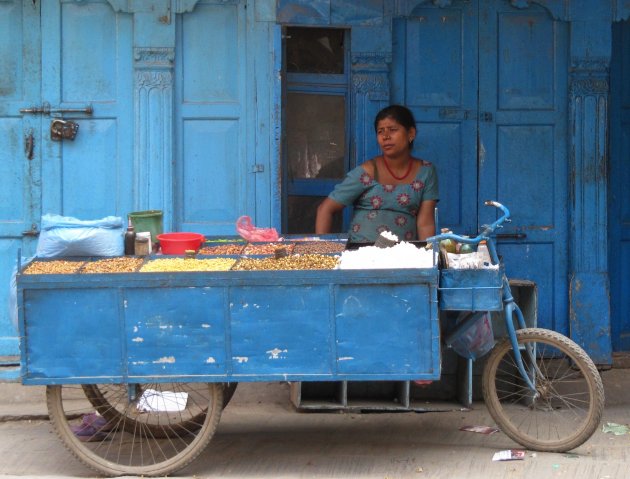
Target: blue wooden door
<point x="619" y="193"/>
<point x="434" y="73"/>
<point x="215" y="172"/>
<point x="493" y="119"/>
<point x="87" y="62"/>
<point x="522" y="146"/>
<point x="20" y="147"/>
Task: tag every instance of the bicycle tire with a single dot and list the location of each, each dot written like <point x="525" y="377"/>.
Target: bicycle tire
<point x="115" y="449"/>
<point x="570" y="396"/>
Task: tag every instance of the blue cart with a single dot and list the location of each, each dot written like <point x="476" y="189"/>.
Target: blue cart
<point x="158" y="355"/>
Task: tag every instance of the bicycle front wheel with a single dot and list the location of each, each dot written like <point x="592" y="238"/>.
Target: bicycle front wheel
<point x="567" y="405"/>
<point x="151" y="430"/>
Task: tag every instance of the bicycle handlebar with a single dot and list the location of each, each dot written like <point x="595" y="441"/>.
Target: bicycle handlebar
<point x="484" y="235"/>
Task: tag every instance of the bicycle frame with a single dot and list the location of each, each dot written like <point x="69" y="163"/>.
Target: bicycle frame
<point x="510" y="308"/>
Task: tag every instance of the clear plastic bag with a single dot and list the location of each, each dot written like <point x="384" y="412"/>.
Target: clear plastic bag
<point x="477" y="340"/>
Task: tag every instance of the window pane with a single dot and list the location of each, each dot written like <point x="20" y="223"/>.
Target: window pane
<point x="315" y="50"/>
<point x="316" y="135"/>
<point x="302" y="212"/>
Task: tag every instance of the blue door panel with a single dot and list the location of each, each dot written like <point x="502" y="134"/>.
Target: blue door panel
<point x="87" y="61"/>
<point x="524" y="177"/>
<point x="210" y="184"/>
<point x="88" y="178"/>
<point x="434" y="72"/>
<point x="527" y="49"/>
<point x="90" y="43"/>
<point x="214" y="179"/>
<point x="523" y="69"/>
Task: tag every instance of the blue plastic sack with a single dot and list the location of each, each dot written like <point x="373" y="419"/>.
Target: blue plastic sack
<point x="477" y="341"/>
<point x="68" y="236"/>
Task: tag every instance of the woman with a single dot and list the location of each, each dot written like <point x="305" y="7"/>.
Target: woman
<point x="391" y="192"/>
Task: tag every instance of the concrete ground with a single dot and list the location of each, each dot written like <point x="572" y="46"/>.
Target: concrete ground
<point x="262" y="436"/>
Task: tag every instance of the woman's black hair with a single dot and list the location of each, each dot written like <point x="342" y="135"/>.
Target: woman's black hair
<point x="398" y="113"/>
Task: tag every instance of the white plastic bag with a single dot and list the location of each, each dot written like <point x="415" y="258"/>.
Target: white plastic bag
<point x="68" y="236"/>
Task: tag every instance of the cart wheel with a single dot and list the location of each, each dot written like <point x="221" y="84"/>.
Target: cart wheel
<point x="567" y="406"/>
<point x="110" y="401"/>
<point x="152" y="433"/>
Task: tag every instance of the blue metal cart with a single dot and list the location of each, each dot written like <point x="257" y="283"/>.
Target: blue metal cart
<point x="157" y="355"/>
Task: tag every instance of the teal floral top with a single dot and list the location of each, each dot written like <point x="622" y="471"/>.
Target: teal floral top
<point x="379" y="207"/>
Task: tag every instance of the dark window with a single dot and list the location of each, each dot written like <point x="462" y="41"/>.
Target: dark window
<point x="316" y="136"/>
<point x="315" y="50"/>
<point x="315" y="123"/>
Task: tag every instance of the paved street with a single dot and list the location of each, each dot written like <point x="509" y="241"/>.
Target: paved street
<point x="262" y="436"/>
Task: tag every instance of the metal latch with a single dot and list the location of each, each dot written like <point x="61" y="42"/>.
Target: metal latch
<point x="32" y="232"/>
<point x="63" y="130"/>
<point x="46" y="109"/>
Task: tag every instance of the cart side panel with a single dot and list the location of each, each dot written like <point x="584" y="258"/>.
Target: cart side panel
<point x="175" y="331"/>
<point x="73" y="333"/>
<point x="281" y="329"/>
<point x="386" y="329"/>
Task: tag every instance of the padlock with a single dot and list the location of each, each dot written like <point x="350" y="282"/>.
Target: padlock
<point x="63" y="130"/>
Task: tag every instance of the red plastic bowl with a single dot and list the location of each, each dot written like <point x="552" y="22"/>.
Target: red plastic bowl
<point x="178" y="243"/>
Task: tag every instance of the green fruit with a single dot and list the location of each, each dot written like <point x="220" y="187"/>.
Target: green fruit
<point x="449" y="245"/>
<point x="466" y="248"/>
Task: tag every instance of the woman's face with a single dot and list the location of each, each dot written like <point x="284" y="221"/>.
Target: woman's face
<point x="393" y="138"/>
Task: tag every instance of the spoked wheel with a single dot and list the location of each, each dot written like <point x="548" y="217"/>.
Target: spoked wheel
<point x="567" y="406"/>
<point x="110" y="401"/>
<point x="155" y="432"/>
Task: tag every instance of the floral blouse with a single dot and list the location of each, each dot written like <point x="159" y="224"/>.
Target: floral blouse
<point x="379" y="207"/>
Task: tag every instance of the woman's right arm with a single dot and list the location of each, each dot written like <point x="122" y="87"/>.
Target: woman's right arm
<point x="325" y="212"/>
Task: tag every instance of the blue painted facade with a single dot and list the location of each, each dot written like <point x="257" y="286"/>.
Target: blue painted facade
<point x="520" y="101"/>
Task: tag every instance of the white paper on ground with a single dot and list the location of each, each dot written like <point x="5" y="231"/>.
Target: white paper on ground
<point x="162" y="401"/>
<point x="509" y="455"/>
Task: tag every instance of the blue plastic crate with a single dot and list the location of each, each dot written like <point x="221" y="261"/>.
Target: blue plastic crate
<point x="471" y="289"/>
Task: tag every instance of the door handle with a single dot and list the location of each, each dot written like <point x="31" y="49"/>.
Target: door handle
<point x="454" y="114"/>
<point x="29" y="145"/>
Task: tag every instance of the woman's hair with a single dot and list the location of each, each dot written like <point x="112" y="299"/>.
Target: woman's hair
<point x="399" y="114"/>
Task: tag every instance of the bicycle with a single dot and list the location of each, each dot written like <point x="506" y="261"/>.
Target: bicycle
<point x="540" y="387"/>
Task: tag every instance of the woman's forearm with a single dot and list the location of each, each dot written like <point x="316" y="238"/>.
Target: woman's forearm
<point x="325" y="212"/>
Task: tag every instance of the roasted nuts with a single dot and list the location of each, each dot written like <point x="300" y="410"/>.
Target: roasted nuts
<point x="187" y="264"/>
<point x="294" y="262"/>
<point x="53" y="267"/>
<point x="266" y="248"/>
<point x="320" y="247"/>
<point x="223" y="249"/>
<point x="112" y="265"/>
